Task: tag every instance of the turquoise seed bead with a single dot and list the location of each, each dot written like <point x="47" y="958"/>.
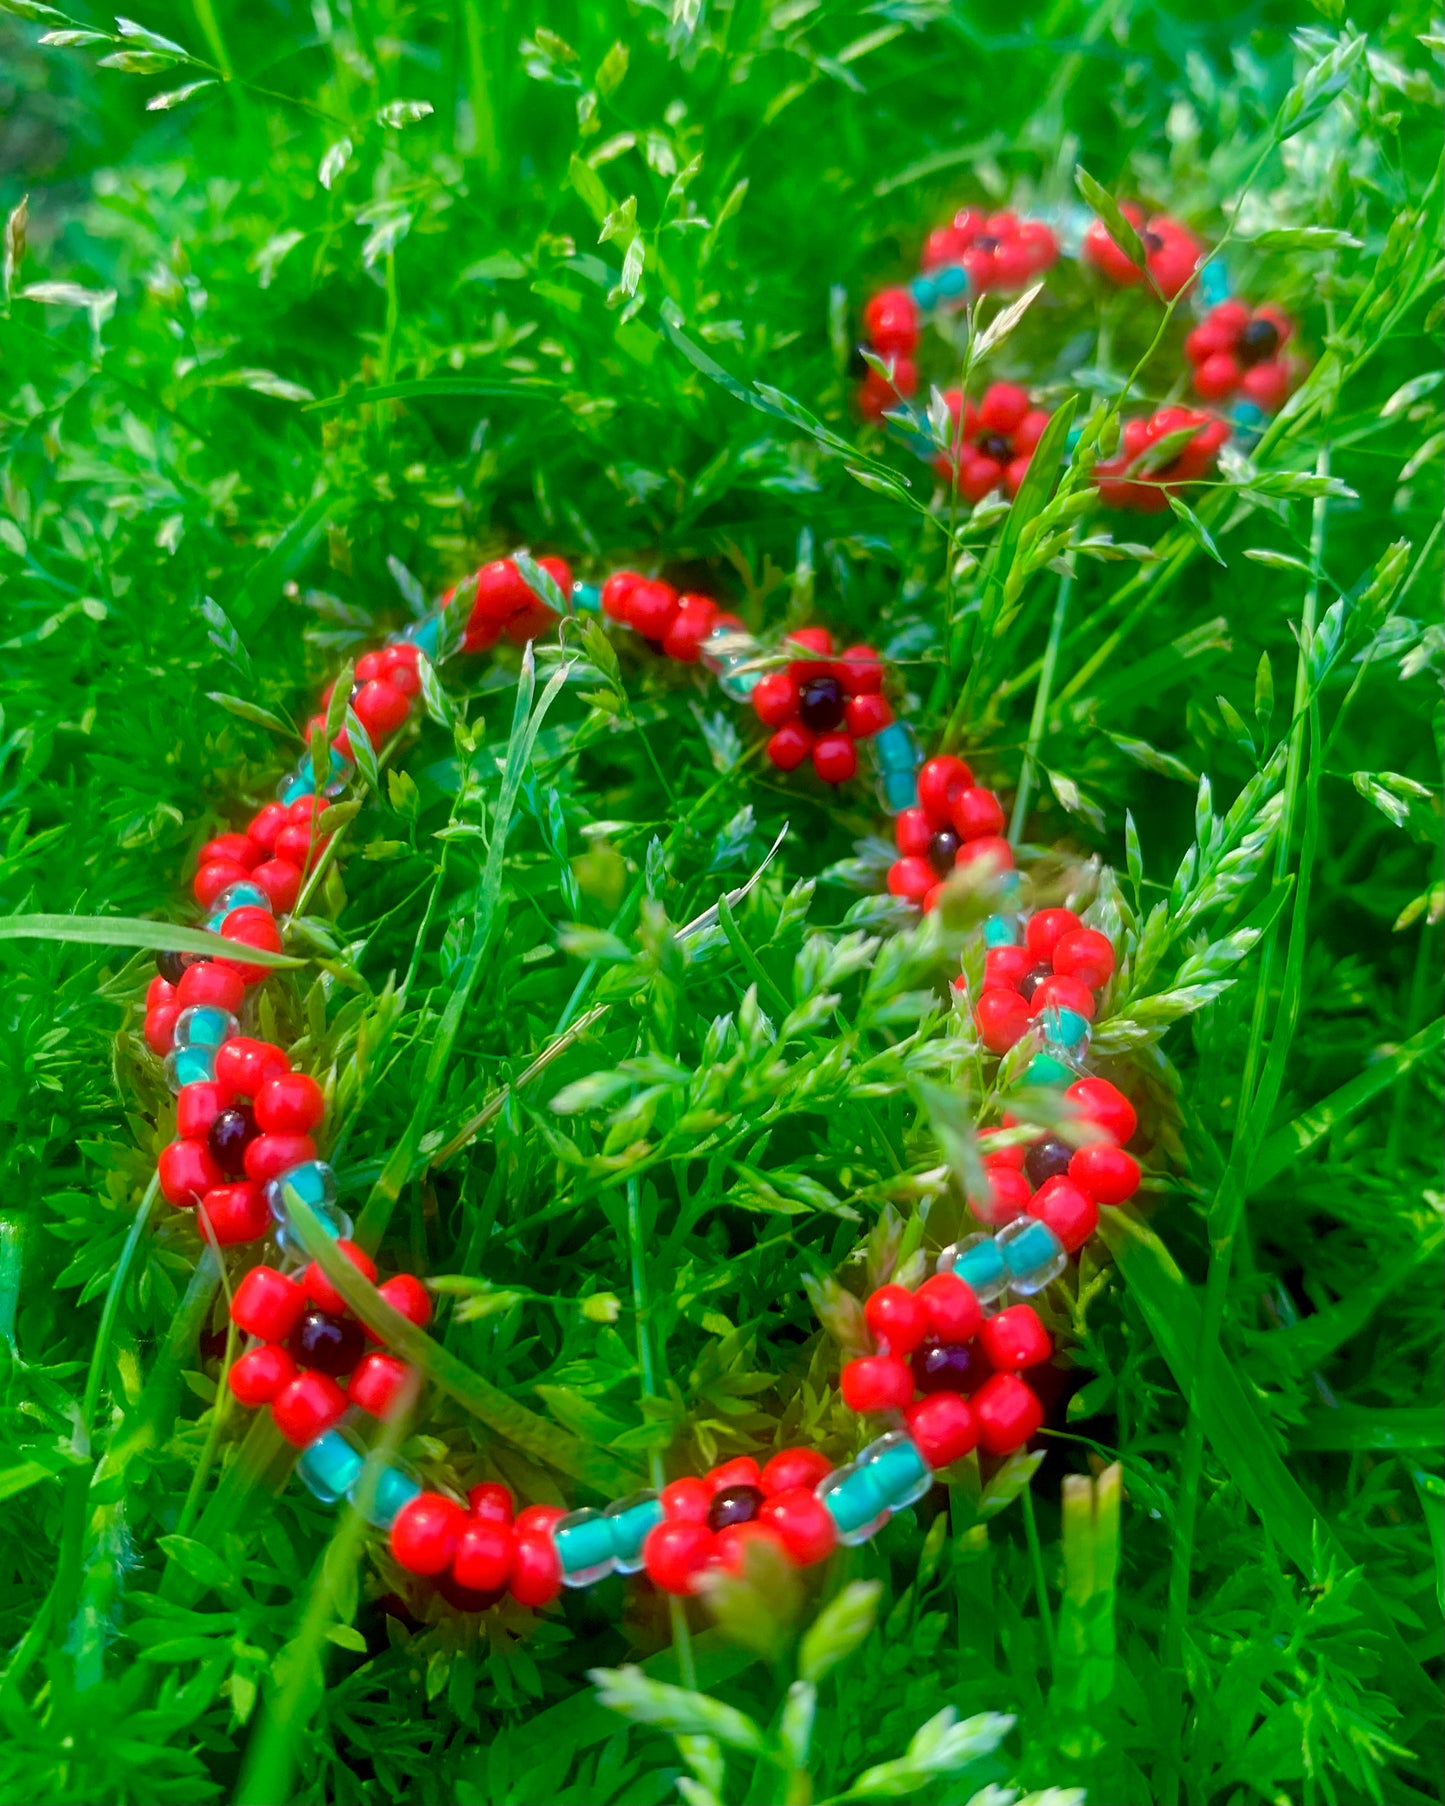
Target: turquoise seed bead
<point x="951" y="281"/>
<point x="241" y="896"/>
<point x="1034" y="1246"/>
<point x="896" y="748"/>
<point x="899" y="1473"/>
<point x="301" y="785"/>
<point x="982" y="1267"/>
<point x="204" y="1026"/>
<point x="1075" y="434"/>
<point x="1214" y="283"/>
<point x="1044" y="1069"/>
<point x="394" y="1489"/>
<point x="426" y="636"/>
<point x="898" y="790"/>
<point x="1067" y="1027"/>
<point x="737" y="683"/>
<point x="630" y="1521"/>
<point x="1001" y="931"/>
<point x="1247" y="415"/>
<point x="190" y="1066"/>
<point x="330" y="1466"/>
<point x="583" y="1542"/>
<point x="853" y="1502"/>
<point x="924" y="291"/>
<point x="586" y="598"/>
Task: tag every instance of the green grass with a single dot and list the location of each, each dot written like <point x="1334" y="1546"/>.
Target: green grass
<point x="597" y="300"/>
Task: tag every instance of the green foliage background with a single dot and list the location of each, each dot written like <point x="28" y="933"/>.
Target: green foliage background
<point x="315" y="402"/>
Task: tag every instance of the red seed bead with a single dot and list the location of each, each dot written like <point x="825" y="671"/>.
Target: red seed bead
<point x="867" y="715"/>
<point x="695" y="619"/>
<point x="235" y="1213"/>
<point x="212" y="984"/>
<point x="266" y="824"/>
<point x="197" y="1107"/>
<point x="259" y="1375"/>
<point x="308" y="810"/>
<point x="319" y="1288"/>
<point x="912" y="878"/>
<point x="160" y="1028"/>
<point x="790" y="746"/>
<point x="1059" y="993"/>
<point x="490" y="1501"/>
<point x="1104" y="1104"/>
<point x="1003" y="967"/>
<point x="801" y="1522"/>
<point x="268" y="1156"/>
<point x="913" y="832"/>
<point x="897" y="1319"/>
<point x="977" y="812"/>
<point x="406" y="1294"/>
<point x="367" y="667"/>
<point x="1016" y="1338"/>
<point x="281" y="881"/>
<point x="860" y="671"/>
<point x="615" y="592"/>
<point x="775" y="699"/>
<point x="1067" y="1209"/>
<point x="991" y="851"/>
<point x="954" y="1312"/>
<point x="400" y="670"/>
<point x="243" y="1065"/>
<point x="835" y="757"/>
<point x="793" y="1468"/>
<point x="296" y="843"/>
<point x="186" y="1169"/>
<point x="675" y="1553"/>
<point x="877" y="1383"/>
<point x="1108" y="1174"/>
<point x="311" y="1404"/>
<point x="1267" y="385"/>
<point x="651" y="609"/>
<point x="686" y="1500"/>
<point x="251" y="926"/>
<point x="1002" y="1018"/>
<point x="1012" y="1156"/>
<point x="812" y="639"/>
<point x="1086" y="955"/>
<point x="1002" y="408"/>
<point x="216" y="876"/>
<point x="267" y="1304"/>
<point x="1217" y="377"/>
<point x="536" y="1568"/>
<point x="1007" y="1196"/>
<point x="379" y="1383"/>
<point x="160" y="991"/>
<point x="484" y="1555"/>
<point x="381" y="709"/>
<point x="291" y="1102"/>
<point x="1008" y="1413"/>
<point x="876" y="394"/>
<point x="741" y="1470"/>
<point x="734" y="1540"/>
<point x="426" y="1531"/>
<point x="940" y="782"/>
<point x="943" y="1426"/>
<point x="891" y="321"/>
<point x="1044" y="931"/>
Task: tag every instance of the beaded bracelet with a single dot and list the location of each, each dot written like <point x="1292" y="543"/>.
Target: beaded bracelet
<point x="245" y="1155"/>
<point x="1234" y="352"/>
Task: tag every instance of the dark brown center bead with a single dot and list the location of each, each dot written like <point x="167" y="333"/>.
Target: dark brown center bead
<point x="995" y="446"/>
<point x="468" y="1599"/>
<point x="330" y="1344"/>
<point x="820" y="704"/>
<point x="1258" y="341"/>
<point x="230" y="1135"/>
<point x="1046" y="1159"/>
<point x="1152" y="242"/>
<point x="942" y="849"/>
<point x="985" y="242"/>
<point x="950" y="1367"/>
<point x="734" y="1505"/>
<point x="1032" y="979"/>
<point x="170" y="966"/>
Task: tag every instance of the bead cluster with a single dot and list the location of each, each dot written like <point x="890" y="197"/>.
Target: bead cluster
<point x="1233" y="352"/>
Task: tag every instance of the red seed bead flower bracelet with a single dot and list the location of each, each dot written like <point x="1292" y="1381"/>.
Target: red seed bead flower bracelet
<point x="946" y="1369"/>
<point x="1234" y="356"/>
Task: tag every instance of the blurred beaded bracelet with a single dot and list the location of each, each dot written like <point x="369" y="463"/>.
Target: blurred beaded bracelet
<point x="245" y="1154"/>
<point x="1234" y="352"/>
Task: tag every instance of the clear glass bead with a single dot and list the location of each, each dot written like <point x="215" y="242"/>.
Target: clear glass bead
<point x="1002" y="931"/>
<point x="727" y="646"/>
<point x="204" y="1025"/>
<point x="583" y="1541"/>
<point x="978" y="1262"/>
<point x="853" y="1503"/>
<point x="425" y="636"/>
<point x="631" y="1519"/>
<point x="295" y="785"/>
<point x="330" y="1466"/>
<point x="395" y="1487"/>
<point x="315" y="1184"/>
<point x="1066" y="1029"/>
<point x="189" y="1066"/>
<point x="242" y="895"/>
<point x="586" y="598"/>
<point x="898" y="1471"/>
<point x="1034" y="1255"/>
